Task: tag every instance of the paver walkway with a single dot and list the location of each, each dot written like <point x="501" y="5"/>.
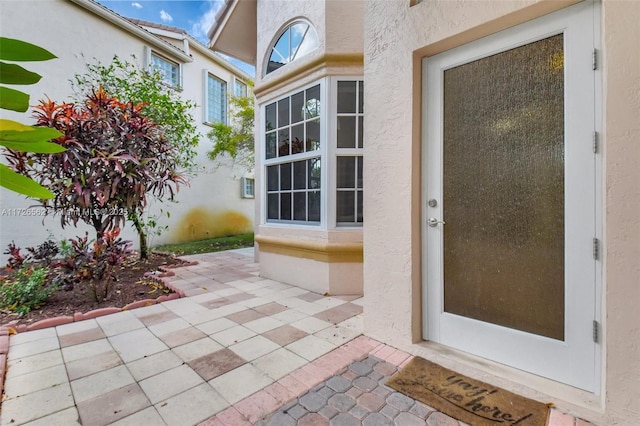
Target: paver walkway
<point x="238" y="350"/>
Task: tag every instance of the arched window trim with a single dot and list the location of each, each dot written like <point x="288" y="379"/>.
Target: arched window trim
<point x="281" y="32"/>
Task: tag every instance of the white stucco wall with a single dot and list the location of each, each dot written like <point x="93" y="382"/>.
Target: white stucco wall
<point x="396" y="38"/>
<point x="73" y="34"/>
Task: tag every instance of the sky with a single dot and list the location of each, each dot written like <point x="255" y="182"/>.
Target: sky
<point x="194" y="16"/>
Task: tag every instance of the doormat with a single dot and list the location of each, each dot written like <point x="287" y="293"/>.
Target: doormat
<point x="464" y="398"/>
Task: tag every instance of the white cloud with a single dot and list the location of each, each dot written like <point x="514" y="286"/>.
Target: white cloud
<point x="136" y="5"/>
<point x="200" y="28"/>
<point x="165" y="16"/>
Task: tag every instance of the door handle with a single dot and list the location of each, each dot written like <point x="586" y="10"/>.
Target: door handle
<point x="433" y="222"/>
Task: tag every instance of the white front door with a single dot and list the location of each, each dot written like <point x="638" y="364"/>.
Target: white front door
<point x="510" y="197"/>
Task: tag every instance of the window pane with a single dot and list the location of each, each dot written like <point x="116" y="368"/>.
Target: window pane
<point x="360" y="171"/>
<point x="169" y="70"/>
<point x="285" y="176"/>
<point x="283" y="142"/>
<point x="312" y="105"/>
<point x="360" y="132"/>
<point x="272" y="178"/>
<point x="359" y="209"/>
<point x="314" y="173"/>
<point x="281" y="51"/>
<point x="240" y="89"/>
<point x="285" y="206"/>
<point x="346" y="167"/>
<point x="314" y="206"/>
<point x="345" y="206"/>
<point x="270" y="151"/>
<point x="297" y="107"/>
<point x="346" y="97"/>
<point x="283" y="112"/>
<point x="297" y="139"/>
<point x="270" y="117"/>
<point x="216" y="100"/>
<point x="273" y="204"/>
<point x="346" y="132"/>
<point x="300" y="175"/>
<point x="299" y="206"/>
<point x="361" y="97"/>
<point x="313" y="135"/>
<point x="298" y="31"/>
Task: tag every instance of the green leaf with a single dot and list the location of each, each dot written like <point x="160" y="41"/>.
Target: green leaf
<point x="13" y="100"/>
<point x="18" y="50"/>
<point x="15" y="74"/>
<point x="38" y="134"/>
<point x="22" y="184"/>
<point x="36" y="147"/>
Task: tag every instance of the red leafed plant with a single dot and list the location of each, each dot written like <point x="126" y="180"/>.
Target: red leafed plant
<point x="115" y="157"/>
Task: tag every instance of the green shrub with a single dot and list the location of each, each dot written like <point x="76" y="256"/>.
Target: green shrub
<point x="25" y="290"/>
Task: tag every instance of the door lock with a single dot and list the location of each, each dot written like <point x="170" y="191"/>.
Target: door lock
<point x="433" y="222"/>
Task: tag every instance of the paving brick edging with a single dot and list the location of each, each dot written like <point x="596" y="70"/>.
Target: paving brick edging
<point x="12" y="328"/>
<point x="275" y="396"/>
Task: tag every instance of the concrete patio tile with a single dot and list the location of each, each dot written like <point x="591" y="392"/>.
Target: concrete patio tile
<point x="197" y="349"/>
<point x="296" y="387"/>
<point x="240" y="297"/>
<point x="271" y="308"/>
<point x="310" y="296"/>
<point x="228" y="291"/>
<point x="310" y="347"/>
<point x="339" y="313"/>
<point x="181" y="337"/>
<point x="167" y="327"/>
<point x="329" y="302"/>
<point x="86" y="350"/>
<point x="157" y="317"/>
<point x="285" y="334"/>
<point x="67" y="417"/>
<point x="75" y="327"/>
<point x="170" y="383"/>
<point x="309" y="308"/>
<point x="240" y="383"/>
<point x="32" y="336"/>
<point x="191" y="407"/>
<point x="263" y="324"/>
<point x="245" y="316"/>
<point x="557" y="418"/>
<point x="136" y="344"/>
<point x="289" y="316"/>
<point x="183" y="306"/>
<point x="311" y="324"/>
<point x="83" y="336"/>
<point x="148" y="416"/>
<point x="18" y="367"/>
<point x="147" y="311"/>
<point x="119" y="323"/>
<point x="111" y="406"/>
<point x="216" y="302"/>
<point x="279" y="392"/>
<point x="154" y="364"/>
<point x="354" y="323"/>
<point x="337" y="335"/>
<point x="252" y="303"/>
<point x="215" y="326"/>
<point x="201" y="317"/>
<point x="254" y="347"/>
<point x="233" y="335"/>
<point x="94" y="364"/>
<point x="359" y="301"/>
<point x="279" y="363"/>
<point x="293" y="292"/>
<point x="228" y="417"/>
<point x="32" y="382"/>
<point x="205" y="297"/>
<point x="100" y="383"/>
<point x="37" y="404"/>
<point x="217" y="363"/>
<point x="226" y="310"/>
<point x="257" y="406"/>
<point x="32" y="347"/>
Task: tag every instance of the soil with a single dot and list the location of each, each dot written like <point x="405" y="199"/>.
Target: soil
<point x="131" y="285"/>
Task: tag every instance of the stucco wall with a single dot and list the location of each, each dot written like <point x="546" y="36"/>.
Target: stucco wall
<point x="70" y="32"/>
<point x="397" y="36"/>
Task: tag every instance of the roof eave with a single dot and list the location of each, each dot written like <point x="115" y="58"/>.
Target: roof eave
<point x="235" y="33"/>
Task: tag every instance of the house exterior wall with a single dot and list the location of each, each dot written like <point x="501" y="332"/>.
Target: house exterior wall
<point x="77" y="36"/>
<point x="397" y="37"/>
<point x="319" y="258"/>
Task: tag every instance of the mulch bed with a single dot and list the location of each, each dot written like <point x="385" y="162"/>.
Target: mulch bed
<point x="131" y="286"/>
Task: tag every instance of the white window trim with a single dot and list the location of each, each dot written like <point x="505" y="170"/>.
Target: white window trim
<point x="243" y="188"/>
<point x="205" y="97"/>
<point x="148" y="62"/>
<point x="321" y="153"/>
<point x="239" y="80"/>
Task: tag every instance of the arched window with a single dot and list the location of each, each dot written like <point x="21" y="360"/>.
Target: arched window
<point x="296" y="40"/>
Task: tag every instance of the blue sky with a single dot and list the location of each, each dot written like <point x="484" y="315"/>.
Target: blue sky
<point x="196" y="17"/>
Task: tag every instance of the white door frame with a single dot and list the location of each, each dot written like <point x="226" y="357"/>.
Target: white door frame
<point x="574" y="361"/>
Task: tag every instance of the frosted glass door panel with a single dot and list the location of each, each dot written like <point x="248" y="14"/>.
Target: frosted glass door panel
<point x="503" y="188"/>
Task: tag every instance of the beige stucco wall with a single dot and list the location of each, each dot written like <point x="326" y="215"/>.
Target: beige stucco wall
<point x="396" y="38"/>
<point x="69" y="31"/>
